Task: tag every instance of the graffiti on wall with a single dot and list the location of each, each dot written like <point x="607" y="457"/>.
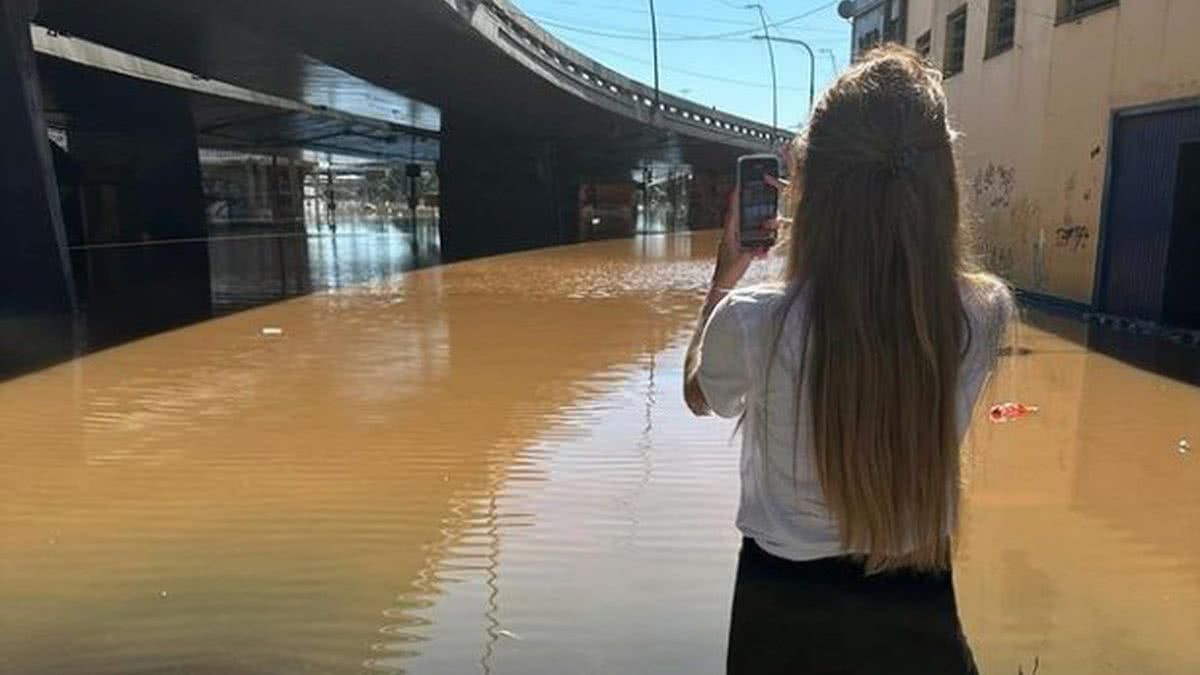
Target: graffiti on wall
<point x="993" y="185"/>
<point x="999" y="259"/>
<point x="1073" y="237"/>
<point x="1036" y="237"/>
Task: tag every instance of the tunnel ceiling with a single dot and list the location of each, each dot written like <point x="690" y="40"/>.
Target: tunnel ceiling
<point x="78" y="75"/>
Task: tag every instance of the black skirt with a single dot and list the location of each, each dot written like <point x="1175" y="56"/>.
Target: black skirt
<point x="825" y="617"/>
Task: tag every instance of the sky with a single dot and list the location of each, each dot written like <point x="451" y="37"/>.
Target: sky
<point x="731" y="72"/>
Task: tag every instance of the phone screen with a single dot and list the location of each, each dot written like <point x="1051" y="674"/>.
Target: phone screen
<point x="758" y="201"/>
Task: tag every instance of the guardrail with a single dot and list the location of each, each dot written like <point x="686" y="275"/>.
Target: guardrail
<point x="523" y="33"/>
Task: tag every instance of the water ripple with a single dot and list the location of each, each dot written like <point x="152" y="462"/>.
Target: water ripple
<point x="487" y="468"/>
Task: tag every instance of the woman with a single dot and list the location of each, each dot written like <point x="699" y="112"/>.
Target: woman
<point x="854" y="379"/>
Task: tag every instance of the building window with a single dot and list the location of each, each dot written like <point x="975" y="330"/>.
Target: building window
<point x="1002" y="26"/>
<point x="894" y="28"/>
<point x="869" y="40"/>
<point x="923" y="45"/>
<point x="884" y="21"/>
<point x="956" y="41"/>
<point x="1070" y="9"/>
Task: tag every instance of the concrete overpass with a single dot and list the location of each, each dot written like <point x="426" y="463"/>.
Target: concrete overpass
<point x="515" y="119"/>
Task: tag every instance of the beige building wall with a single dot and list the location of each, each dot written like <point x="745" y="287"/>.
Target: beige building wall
<point x="1036" y="122"/>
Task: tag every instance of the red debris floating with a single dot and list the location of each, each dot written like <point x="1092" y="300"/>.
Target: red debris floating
<point x="1009" y="411"/>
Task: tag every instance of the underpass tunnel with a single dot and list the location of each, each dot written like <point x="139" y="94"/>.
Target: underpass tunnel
<point x="158" y="134"/>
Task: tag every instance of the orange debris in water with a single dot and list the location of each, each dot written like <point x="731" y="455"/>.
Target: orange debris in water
<point x="1009" y="411"/>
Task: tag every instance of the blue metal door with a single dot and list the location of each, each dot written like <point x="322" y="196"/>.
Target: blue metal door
<point x="1137" y="231"/>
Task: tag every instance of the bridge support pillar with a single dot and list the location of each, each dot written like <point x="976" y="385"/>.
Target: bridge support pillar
<point x="707" y="197"/>
<point x="503" y="195"/>
<point x="132" y="161"/>
<point x="133" y="145"/>
<point x="36" y="289"/>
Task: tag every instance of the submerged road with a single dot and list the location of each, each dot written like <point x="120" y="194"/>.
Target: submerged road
<point x="486" y="467"/>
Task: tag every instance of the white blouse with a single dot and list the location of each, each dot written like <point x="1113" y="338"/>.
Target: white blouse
<point x="782" y="507"/>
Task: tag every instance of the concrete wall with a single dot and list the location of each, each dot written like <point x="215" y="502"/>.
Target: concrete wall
<point x="37" y="298"/>
<point x="34" y="271"/>
<point x="1036" y="121"/>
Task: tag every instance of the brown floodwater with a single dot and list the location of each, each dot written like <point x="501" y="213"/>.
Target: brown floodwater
<point x="487" y="467"/>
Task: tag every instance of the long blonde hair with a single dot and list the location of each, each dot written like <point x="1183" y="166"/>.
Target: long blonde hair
<point x="876" y="243"/>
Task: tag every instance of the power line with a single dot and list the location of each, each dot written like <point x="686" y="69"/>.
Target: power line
<point x="793" y="19"/>
<point x="642" y="37"/>
<point x="797" y="30"/>
<point x="739" y="37"/>
<point x="551" y="19"/>
<point x="684" y="71"/>
<point x="673" y="15"/>
<point x="642" y="12"/>
<point x="598" y="33"/>
<point x="741" y="7"/>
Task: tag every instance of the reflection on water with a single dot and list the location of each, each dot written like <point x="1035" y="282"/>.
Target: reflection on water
<point x="1172" y="359"/>
<point x="133" y="289"/>
<point x="486" y="467"/>
<point x="252" y="269"/>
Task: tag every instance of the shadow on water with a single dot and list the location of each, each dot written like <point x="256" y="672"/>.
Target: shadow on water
<point x="130" y="290"/>
<point x="1152" y="353"/>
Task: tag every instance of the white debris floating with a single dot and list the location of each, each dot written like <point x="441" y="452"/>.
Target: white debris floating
<point x="272" y="330"/>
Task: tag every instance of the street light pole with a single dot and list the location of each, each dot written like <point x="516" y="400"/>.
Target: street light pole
<point x="812" y="63"/>
<point x="654" y="39"/>
<point x="762" y="15"/>
<point x="832" y="59"/>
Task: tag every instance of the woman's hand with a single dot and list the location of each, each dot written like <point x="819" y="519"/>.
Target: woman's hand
<point x="782" y="185"/>
<point x="732" y="259"/>
<point x="787" y="187"/>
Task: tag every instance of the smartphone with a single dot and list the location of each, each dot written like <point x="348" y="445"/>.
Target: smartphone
<point x="758" y="201"/>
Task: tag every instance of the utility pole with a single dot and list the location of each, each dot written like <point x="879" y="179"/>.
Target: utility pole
<point x="832" y="59"/>
<point x="762" y="15"/>
<point x="654" y="40"/>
